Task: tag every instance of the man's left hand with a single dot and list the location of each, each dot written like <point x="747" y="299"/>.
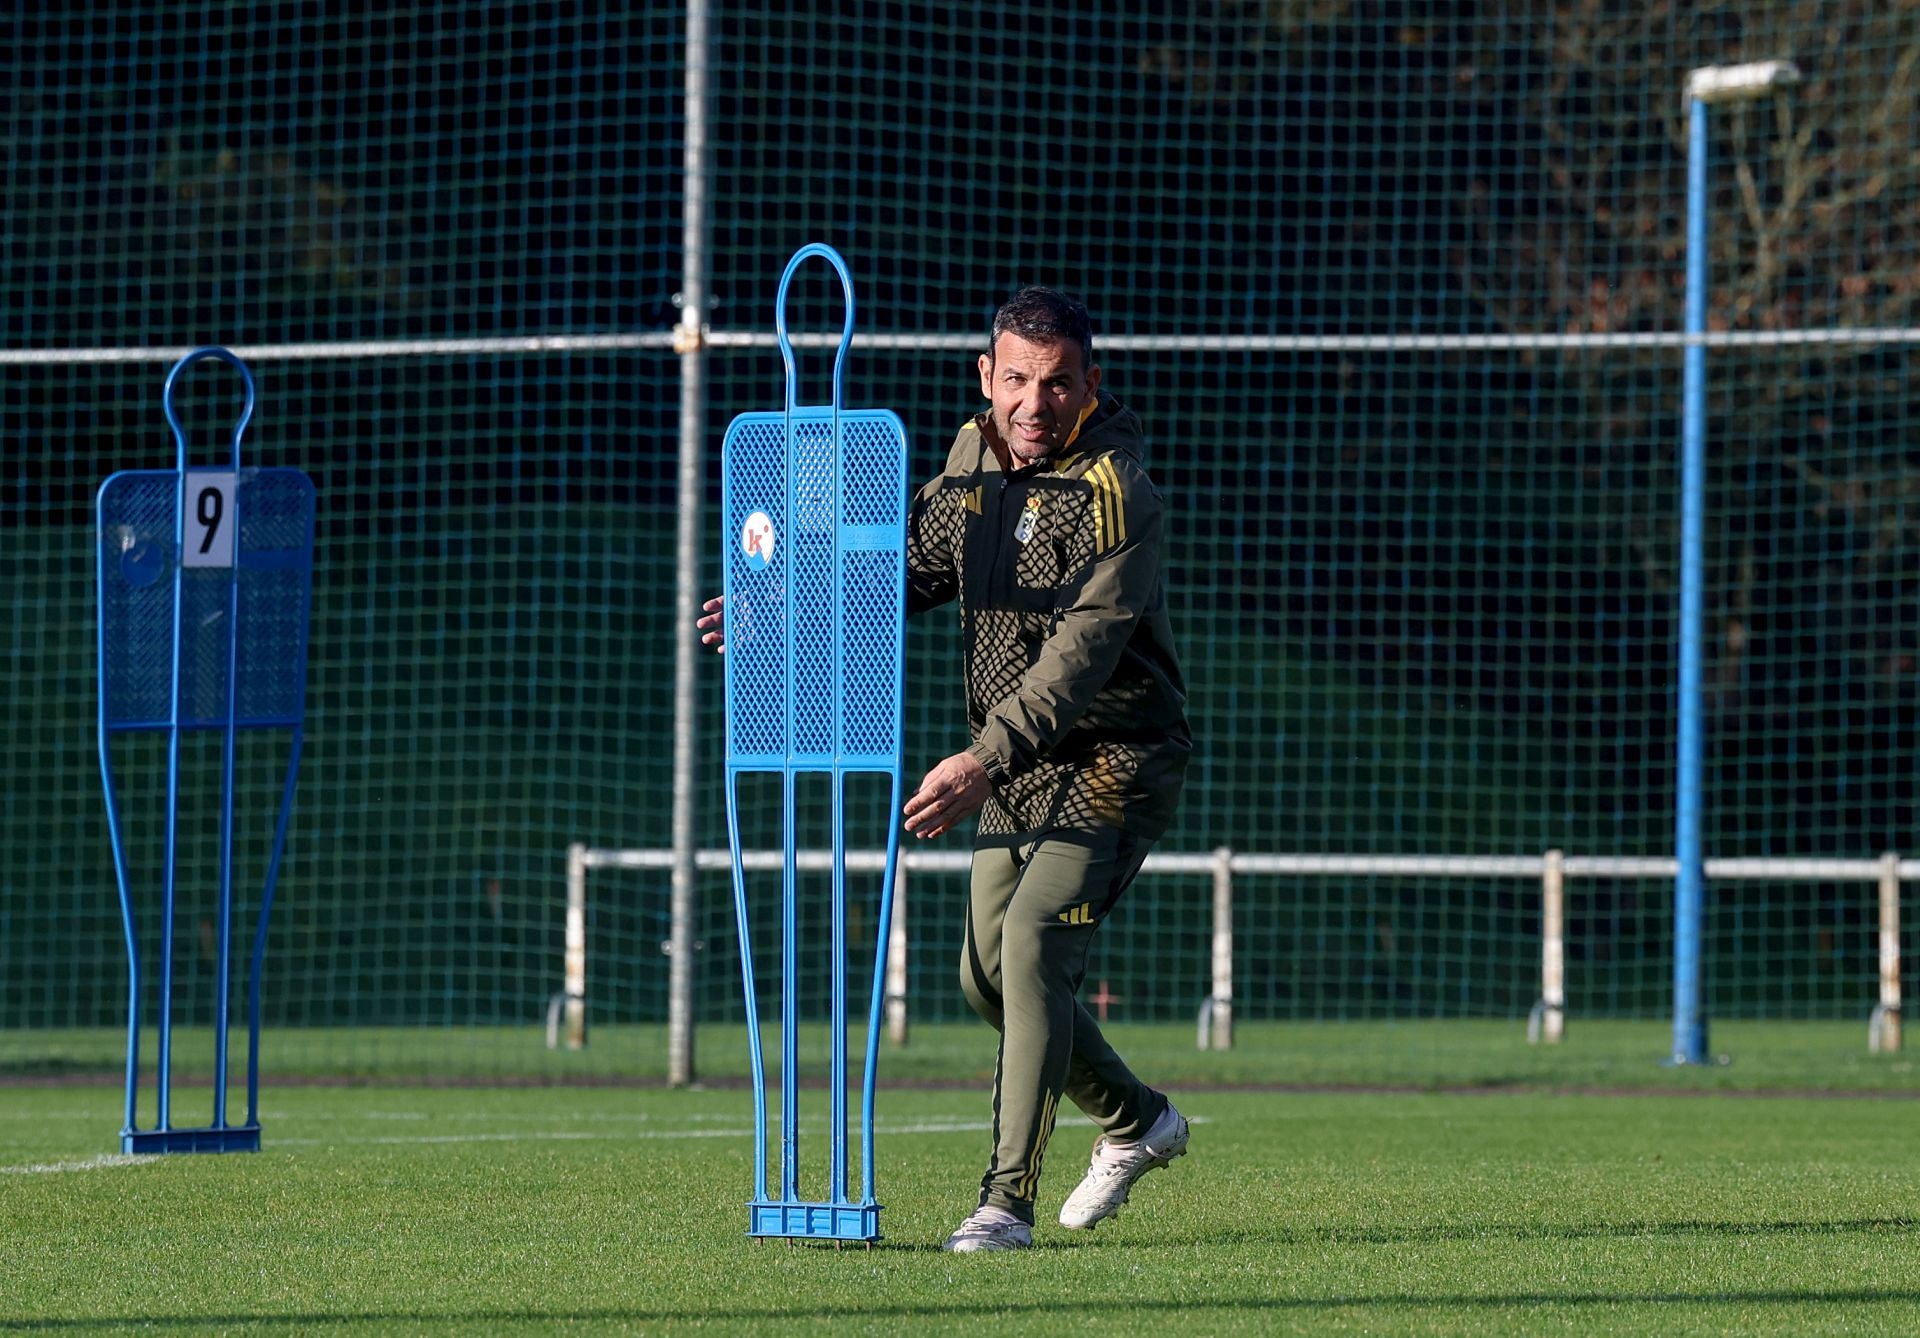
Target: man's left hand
<point x="951" y="791"/>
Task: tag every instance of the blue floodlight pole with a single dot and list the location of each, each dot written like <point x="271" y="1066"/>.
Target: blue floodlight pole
<point x="1723" y="83"/>
<point x="1689" y="891"/>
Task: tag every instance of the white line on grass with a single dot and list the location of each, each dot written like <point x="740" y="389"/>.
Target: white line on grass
<point x="111" y="1161"/>
<point x="495" y="1116"/>
<point x="583" y="1136"/>
<point x="105" y="1162"/>
<point x="571" y="1136"/>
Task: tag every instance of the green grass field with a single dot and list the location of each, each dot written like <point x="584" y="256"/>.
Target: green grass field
<point x="1629" y="1199"/>
<point x="1615" y="1055"/>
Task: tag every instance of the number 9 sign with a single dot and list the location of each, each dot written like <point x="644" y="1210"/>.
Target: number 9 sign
<point x="207" y="520"/>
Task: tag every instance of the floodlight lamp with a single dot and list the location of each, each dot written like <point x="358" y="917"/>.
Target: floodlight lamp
<point x="1741" y="83"/>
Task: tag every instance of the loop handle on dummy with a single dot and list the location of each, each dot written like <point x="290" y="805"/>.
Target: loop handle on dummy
<point x="780" y="320"/>
<point x="246" y="412"/>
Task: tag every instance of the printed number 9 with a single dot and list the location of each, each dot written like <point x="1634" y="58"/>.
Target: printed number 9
<point x="208" y="509"/>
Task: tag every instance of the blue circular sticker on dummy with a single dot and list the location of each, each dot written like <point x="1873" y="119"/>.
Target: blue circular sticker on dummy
<point x="142" y="563"/>
<point x="756" y="540"/>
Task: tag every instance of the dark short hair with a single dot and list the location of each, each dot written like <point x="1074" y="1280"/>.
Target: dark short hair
<point x="1037" y="312"/>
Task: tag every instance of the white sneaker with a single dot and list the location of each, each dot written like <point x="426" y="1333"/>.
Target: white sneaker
<point x="1117" y="1165"/>
<point x="990" y="1229"/>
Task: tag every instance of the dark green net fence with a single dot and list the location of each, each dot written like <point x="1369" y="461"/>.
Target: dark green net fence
<point x="1387" y="282"/>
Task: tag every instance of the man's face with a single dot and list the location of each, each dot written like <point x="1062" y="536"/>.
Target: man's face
<point x="1038" y="392"/>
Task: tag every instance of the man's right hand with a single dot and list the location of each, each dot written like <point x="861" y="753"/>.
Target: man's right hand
<point x="713" y="627"/>
<point x="955" y="788"/>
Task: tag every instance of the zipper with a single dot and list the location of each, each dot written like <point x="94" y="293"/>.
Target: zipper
<point x="992" y="514"/>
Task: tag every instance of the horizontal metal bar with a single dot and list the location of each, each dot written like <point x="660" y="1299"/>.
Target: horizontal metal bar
<point x="663" y="341"/>
<point x="1746" y="869"/>
<point x="949" y="861"/>
<point x="341" y="350"/>
<point x="1516" y="341"/>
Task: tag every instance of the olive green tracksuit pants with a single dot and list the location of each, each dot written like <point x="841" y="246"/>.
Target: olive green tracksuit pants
<point x="1031" y="916"/>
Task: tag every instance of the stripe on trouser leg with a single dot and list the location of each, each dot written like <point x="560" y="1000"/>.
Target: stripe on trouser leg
<point x="993" y="1157"/>
<point x="1030" y="1182"/>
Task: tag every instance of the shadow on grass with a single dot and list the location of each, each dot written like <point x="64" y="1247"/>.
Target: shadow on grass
<point x="1165" y="1236"/>
<point x="1186" y="1308"/>
<point x="1468" y="1231"/>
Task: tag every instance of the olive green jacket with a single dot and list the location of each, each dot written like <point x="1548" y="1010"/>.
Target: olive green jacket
<point x="1074" y="697"/>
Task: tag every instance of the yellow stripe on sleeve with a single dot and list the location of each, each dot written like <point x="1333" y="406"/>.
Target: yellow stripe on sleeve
<point x="1109" y="515"/>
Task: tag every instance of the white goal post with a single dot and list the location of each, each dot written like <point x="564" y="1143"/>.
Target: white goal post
<point x="567" y="1010"/>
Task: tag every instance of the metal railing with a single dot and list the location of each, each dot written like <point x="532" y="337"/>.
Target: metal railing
<point x="567" y="1011"/>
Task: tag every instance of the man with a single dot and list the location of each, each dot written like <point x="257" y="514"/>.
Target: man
<point x="1046" y="529"/>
